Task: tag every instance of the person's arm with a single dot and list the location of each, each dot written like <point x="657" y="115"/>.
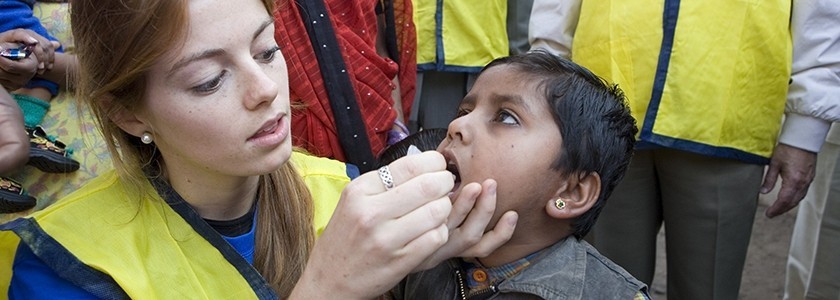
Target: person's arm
<point x="813" y="101"/>
<point x="14" y="143"/>
<point x="553" y="24"/>
<point x="399" y="131"/>
<point x="64" y="67"/>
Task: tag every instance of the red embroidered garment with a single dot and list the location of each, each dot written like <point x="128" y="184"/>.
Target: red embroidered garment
<point x="355" y="24"/>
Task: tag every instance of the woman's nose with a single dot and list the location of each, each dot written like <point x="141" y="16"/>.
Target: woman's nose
<point x="261" y="88"/>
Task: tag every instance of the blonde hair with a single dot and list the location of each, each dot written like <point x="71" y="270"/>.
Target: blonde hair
<point x="117" y="42"/>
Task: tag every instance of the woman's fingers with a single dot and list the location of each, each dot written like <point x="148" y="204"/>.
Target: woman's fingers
<point x="382" y="232"/>
<point x="419" y="249"/>
<point x="417" y="180"/>
<point x="404" y="169"/>
<point x="415" y="193"/>
<point x="470" y="238"/>
<point x="417" y="223"/>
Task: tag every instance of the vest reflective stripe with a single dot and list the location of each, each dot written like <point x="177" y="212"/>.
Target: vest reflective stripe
<point x="459" y="36"/>
<point x="711" y="78"/>
<point x="148" y="249"/>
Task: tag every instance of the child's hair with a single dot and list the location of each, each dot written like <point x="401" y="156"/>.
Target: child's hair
<point x="425" y="140"/>
<point x="117" y="44"/>
<point x="594" y="119"/>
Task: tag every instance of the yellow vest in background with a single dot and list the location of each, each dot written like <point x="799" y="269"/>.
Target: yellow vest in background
<point x="460" y="36"/>
<point x="709" y="76"/>
<point x="148" y="249"/>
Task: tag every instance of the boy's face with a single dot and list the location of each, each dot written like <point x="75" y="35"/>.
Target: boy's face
<point x="505" y="131"/>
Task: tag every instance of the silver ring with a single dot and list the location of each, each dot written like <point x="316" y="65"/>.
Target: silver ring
<point x="385" y="176"/>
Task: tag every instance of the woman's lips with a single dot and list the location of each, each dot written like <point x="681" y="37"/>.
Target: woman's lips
<point x="272" y="133"/>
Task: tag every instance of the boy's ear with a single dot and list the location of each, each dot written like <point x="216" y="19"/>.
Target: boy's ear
<point x="575" y="197"/>
<point x="123" y="117"/>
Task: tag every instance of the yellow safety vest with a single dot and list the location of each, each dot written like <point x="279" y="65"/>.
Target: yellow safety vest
<point x="709" y="77"/>
<point x="143" y="248"/>
<point x="460" y="36"/>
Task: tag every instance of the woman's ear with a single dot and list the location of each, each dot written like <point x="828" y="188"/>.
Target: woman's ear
<point x="124" y="118"/>
<point x="575" y="197"/>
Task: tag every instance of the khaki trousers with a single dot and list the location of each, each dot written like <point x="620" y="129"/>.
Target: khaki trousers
<point x="813" y="267"/>
<point x="707" y="206"/>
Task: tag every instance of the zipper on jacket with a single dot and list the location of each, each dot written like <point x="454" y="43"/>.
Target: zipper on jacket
<point x="485" y="293"/>
<point x="461" y="285"/>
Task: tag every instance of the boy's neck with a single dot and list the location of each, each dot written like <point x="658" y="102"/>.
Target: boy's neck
<point x="526" y="241"/>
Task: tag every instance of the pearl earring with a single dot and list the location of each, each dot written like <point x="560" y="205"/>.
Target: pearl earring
<point x="559" y="203"/>
<point x="146" y="138"/>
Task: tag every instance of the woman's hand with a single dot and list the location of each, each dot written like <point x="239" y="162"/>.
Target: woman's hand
<point x="468" y="223"/>
<point x="377" y="236"/>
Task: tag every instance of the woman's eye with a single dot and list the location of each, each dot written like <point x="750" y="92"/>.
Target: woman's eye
<point x="506" y="118"/>
<point x="211" y="85"/>
<point x="268" y="55"/>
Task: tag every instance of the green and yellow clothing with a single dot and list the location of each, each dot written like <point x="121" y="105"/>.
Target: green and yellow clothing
<point x="460" y="36"/>
<point x="708" y="81"/>
<point x="115" y="244"/>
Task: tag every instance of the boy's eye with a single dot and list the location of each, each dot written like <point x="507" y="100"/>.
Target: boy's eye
<point x="505" y="117"/>
<point x="211" y="85"/>
<point x="268" y="56"/>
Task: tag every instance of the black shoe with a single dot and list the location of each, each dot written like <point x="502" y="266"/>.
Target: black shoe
<point x="49" y="154"/>
<point x="13" y="198"/>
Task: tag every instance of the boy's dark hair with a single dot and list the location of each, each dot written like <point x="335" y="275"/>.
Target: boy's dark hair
<point x="594" y="120"/>
<point x="425" y="140"/>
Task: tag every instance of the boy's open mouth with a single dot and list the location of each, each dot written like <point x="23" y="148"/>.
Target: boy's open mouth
<point x="452" y="166"/>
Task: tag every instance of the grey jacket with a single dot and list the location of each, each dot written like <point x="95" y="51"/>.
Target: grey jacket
<point x="570" y="269"/>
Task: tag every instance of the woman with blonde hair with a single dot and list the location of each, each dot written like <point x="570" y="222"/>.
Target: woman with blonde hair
<point x="208" y="200"/>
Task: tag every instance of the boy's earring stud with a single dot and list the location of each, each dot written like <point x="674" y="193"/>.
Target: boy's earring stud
<point x="146" y="138"/>
<point x="559" y="203"/>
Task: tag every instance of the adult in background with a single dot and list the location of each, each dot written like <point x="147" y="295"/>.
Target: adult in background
<point x="352" y="74"/>
<point x="708" y="83"/>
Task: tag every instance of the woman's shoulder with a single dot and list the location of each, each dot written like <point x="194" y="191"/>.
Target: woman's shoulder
<point x="96" y="188"/>
<point x="310" y="165"/>
<point x="105" y="197"/>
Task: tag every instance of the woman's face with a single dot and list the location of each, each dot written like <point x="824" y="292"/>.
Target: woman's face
<point x="220" y="104"/>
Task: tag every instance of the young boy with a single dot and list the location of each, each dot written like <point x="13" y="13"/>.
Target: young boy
<point x="557" y="139"/>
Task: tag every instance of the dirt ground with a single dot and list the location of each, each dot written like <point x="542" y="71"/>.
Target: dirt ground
<point x="764" y="271"/>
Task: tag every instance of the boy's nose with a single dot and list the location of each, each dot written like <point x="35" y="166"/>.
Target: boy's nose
<point x="459" y="129"/>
